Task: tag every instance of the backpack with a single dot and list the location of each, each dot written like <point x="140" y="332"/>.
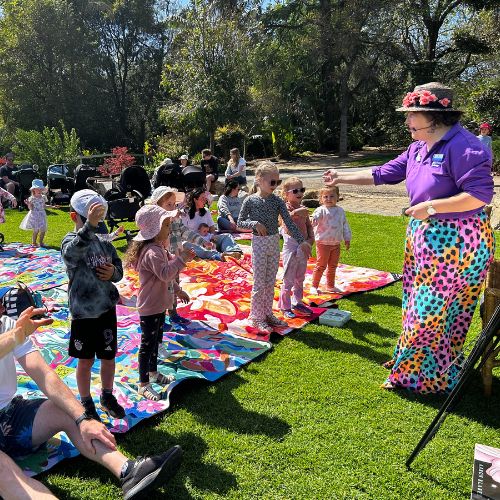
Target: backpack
<point x="19" y="298"/>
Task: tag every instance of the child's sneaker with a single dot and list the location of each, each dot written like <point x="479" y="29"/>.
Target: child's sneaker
<point x="314" y="291"/>
<point x="288" y="313"/>
<point x="261" y="325"/>
<point x="177" y="318"/>
<point x="111" y="406"/>
<point x="303" y="309"/>
<point x="272" y="320"/>
<point x="145" y="473"/>
<point x="90" y="409"/>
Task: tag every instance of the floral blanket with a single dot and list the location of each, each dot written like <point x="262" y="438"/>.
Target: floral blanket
<point x="216" y="342"/>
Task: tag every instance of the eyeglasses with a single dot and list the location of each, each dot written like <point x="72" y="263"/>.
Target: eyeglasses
<point x="275" y="182"/>
<point x="297" y="190"/>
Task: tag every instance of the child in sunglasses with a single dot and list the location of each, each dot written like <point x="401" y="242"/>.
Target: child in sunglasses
<point x="260" y="212"/>
<point x="294" y="260"/>
<point x="330" y="229"/>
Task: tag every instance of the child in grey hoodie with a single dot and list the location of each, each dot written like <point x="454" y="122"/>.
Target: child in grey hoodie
<point x="92" y="266"/>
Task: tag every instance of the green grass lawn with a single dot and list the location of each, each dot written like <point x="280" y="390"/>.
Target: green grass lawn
<point x="308" y="420"/>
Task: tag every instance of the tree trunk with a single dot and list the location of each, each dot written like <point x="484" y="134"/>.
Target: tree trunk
<point x="344" y="110"/>
<point x="212" y="140"/>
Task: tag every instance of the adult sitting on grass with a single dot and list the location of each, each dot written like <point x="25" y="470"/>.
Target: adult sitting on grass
<point x="197" y="213"/>
<point x="27" y="424"/>
<point x="449" y="242"/>
<point x="229" y="206"/>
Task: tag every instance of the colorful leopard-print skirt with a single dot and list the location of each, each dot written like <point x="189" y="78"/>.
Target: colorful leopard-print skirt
<point x="445" y="265"/>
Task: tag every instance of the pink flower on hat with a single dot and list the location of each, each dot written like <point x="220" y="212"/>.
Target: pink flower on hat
<point x="445" y="102"/>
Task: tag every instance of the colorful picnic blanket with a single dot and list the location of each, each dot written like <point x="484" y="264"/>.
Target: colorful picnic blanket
<point x="216" y="342"/>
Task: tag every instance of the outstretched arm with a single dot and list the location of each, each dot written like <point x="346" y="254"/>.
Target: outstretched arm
<point x="24" y="327"/>
<point x="334" y="177"/>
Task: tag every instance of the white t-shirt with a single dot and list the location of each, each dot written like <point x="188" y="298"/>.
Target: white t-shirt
<point x="194" y="224"/>
<point x="8" y="377"/>
<point x="241" y="168"/>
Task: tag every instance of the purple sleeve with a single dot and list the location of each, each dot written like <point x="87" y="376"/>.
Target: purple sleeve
<point x="471" y="169"/>
<point x="392" y="172"/>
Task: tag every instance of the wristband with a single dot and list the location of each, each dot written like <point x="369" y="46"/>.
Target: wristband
<point x="82" y="417"/>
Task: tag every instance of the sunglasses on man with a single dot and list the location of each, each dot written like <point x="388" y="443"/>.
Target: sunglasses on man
<point x="297" y="190"/>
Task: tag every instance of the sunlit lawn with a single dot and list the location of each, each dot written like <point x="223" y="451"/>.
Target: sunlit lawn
<point x="308" y="420"/>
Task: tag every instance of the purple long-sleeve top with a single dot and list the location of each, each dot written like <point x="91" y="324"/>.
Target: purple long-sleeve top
<point x="455" y="164"/>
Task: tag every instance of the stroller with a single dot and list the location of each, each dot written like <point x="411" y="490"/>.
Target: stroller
<point x="168" y="175"/>
<point x="193" y="177"/>
<point x="25" y="176"/>
<point x="82" y="173"/>
<point x="60" y="186"/>
<point x="124" y="200"/>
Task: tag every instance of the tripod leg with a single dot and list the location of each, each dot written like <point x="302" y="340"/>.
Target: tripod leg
<point x="485" y="345"/>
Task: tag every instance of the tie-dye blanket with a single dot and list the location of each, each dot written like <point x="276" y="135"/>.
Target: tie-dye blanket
<point x="216" y="342"/>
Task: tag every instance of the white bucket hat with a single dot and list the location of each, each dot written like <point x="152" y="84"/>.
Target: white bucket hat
<point x="149" y="220"/>
<point x="82" y="200"/>
<point x="161" y="191"/>
<point x="184" y="157"/>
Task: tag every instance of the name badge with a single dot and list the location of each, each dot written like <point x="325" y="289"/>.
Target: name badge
<point x="437" y="159"/>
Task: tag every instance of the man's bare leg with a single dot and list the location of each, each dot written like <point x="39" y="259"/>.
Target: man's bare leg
<point x="50" y="420"/>
<point x="15" y="485"/>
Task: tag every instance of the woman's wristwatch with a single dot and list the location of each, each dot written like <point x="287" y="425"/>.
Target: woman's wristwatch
<point x="430" y="209"/>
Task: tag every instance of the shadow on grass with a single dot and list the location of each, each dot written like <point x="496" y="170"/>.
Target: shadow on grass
<point x="472" y="404"/>
<point x="365" y="301"/>
<point x="195" y="469"/>
<point x="326" y="342"/>
<point x="223" y="410"/>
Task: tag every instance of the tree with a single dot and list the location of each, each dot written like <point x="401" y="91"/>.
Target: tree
<point x="206" y="73"/>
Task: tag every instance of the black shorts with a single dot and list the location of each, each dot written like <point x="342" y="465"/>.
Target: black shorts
<point x="16" y="424"/>
<point x="94" y="337"/>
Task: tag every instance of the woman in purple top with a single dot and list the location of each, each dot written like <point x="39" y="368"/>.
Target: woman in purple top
<point x="449" y="241"/>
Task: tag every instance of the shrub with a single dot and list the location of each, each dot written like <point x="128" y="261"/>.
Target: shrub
<point x="495" y="146"/>
<point x="51" y="145"/>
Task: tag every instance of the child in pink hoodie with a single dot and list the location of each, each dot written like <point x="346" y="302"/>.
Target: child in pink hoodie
<point x="158" y="290"/>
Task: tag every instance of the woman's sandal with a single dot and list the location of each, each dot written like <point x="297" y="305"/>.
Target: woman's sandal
<point x="149" y="393"/>
<point x="161" y="379"/>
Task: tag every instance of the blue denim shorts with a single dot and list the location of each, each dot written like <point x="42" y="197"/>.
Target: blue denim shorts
<point x="16" y="426"/>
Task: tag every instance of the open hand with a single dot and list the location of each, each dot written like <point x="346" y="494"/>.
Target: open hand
<point x="14" y="203"/>
<point x="183" y="297"/>
<point x="261" y="229"/>
<point x="187" y="254"/>
<point x="26" y="325"/>
<point x="301" y="212"/>
<point x="331" y="177"/>
<point x="105" y="272"/>
<point x="93" y="430"/>
<point x="96" y="213"/>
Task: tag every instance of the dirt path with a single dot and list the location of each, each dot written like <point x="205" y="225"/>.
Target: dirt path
<point x="381" y="200"/>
